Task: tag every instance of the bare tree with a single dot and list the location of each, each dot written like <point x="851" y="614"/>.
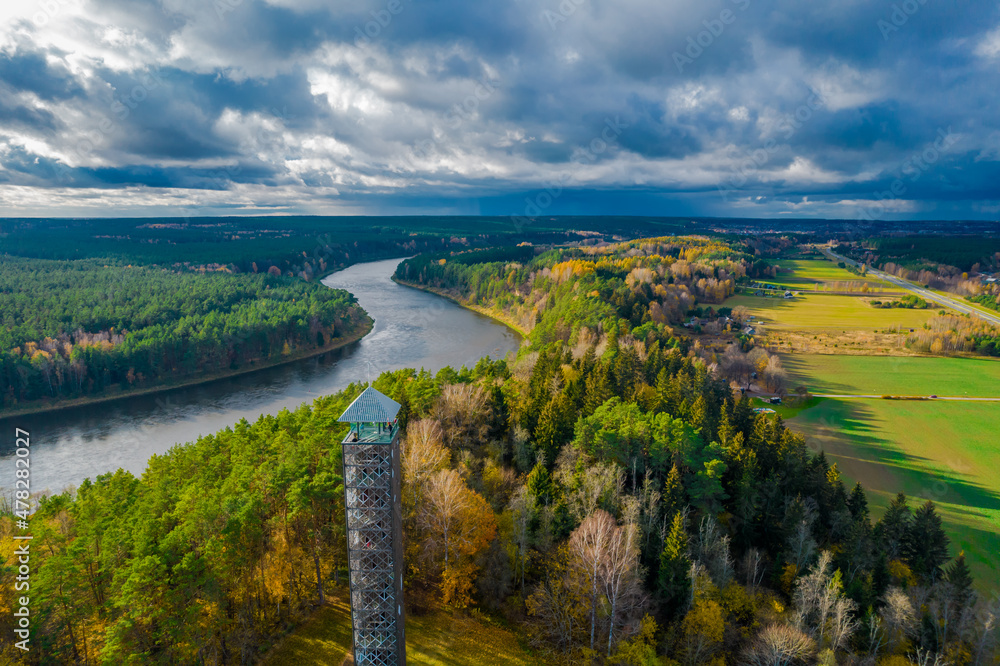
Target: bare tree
<point x="650" y="511"/>
<point x="753" y="565"/>
<point x="463" y="410"/>
<point x="800" y="544"/>
<point x="774" y="375"/>
<point x="899" y="618"/>
<point x="928" y="658"/>
<point x="599" y="486"/>
<point x="821" y="609"/>
<point x="780" y="645"/>
<point x="453" y="518"/>
<point x="736" y="365"/>
<point x="622" y="578"/>
<point x="710" y="548"/>
<point x="988" y="636"/>
<point x="589" y="545"/>
<point x="605" y="558"/>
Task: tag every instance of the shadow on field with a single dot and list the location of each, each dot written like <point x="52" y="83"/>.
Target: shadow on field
<point x="800" y="374"/>
<point x="845" y="430"/>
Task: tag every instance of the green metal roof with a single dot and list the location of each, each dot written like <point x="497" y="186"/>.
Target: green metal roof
<point x="371" y="407"/>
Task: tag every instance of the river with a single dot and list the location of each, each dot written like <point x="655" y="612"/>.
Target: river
<point x="413" y="329"/>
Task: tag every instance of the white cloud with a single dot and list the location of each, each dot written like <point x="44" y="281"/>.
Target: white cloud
<point x="989" y="47"/>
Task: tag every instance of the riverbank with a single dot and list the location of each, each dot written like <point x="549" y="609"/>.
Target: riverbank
<point x="61" y="405"/>
<point x="486" y="312"/>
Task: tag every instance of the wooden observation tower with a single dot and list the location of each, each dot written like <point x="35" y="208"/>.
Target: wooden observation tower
<point x="374" y="529"/>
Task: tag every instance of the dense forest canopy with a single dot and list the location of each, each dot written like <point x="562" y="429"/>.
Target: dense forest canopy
<point x="607" y="491"/>
<point x="917" y="252"/>
<point x="76" y="328"/>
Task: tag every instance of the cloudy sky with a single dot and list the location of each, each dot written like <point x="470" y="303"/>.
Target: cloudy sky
<point x="757" y="108"/>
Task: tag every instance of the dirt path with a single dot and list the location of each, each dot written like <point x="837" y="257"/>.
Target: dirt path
<point x="910" y="397"/>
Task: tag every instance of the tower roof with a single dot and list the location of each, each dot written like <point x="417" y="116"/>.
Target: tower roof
<point x="371" y="407"/>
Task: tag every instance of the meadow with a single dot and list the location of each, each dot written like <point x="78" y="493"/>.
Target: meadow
<point x="817" y="274"/>
<point x="827" y="313"/>
<point x="894" y="375"/>
<point x="436" y="639"/>
<point x="943" y="451"/>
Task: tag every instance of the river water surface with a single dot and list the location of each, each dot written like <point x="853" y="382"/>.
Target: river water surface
<point x="413" y="329"/>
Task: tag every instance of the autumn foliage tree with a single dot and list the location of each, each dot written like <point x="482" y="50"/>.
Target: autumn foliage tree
<point x="455" y="525"/>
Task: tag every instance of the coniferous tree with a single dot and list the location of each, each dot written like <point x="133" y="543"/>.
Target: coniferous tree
<point x="959" y="576"/>
<point x="926" y="544"/>
<point x="858" y="503"/>
<point x="892" y="529"/>
<point x="673" y="581"/>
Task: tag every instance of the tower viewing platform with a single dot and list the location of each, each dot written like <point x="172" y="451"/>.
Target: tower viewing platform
<point x="371" y="433"/>
<point x="373" y="508"/>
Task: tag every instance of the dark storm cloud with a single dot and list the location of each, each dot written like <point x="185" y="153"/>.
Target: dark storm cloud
<point x="426" y="105"/>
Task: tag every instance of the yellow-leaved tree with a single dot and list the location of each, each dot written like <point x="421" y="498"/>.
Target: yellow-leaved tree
<point x="456" y="525"/>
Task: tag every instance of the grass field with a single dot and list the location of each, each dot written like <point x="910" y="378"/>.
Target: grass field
<point x="944" y="451"/>
<point x="894" y="375"/>
<point x="811" y="274"/>
<point x="437" y="639"/>
<point x="827" y="313"/>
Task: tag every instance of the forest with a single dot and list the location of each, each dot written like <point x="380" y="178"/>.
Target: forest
<point x="606" y="492"/>
<point x="79" y="328"/>
<point x="966" y="253"/>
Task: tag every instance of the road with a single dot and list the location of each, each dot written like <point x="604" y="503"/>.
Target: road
<point x="925" y="294"/>
<point x="909" y="397"/>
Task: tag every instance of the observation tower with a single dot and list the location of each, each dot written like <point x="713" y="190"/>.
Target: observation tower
<point x="374" y="529"/>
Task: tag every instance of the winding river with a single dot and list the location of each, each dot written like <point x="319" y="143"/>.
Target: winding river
<point x="413" y="329"/>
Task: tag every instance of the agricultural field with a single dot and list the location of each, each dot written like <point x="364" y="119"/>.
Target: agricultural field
<point x="436" y="639"/>
<point x="830" y="313"/>
<point x="827" y="313"/>
<point x="882" y="375"/>
<point x="821" y="274"/>
<point x="945" y="451"/>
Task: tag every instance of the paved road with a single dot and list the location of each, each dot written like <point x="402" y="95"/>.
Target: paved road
<point x="910" y="397"/>
<point x="925" y="294"/>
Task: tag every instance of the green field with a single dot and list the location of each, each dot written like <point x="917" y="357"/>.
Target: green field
<point x="944" y="451"/>
<point x="811" y="274"/>
<point x="436" y="639"/>
<point x="895" y="375"/>
<point x="826" y="313"/>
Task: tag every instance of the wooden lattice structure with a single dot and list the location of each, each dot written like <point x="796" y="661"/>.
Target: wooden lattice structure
<point x="374" y="530"/>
